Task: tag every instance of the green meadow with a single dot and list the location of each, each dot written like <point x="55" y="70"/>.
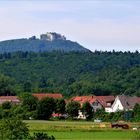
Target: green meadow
<point x="80" y="130"/>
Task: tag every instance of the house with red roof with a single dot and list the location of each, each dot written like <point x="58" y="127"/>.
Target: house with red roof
<point x="106" y="102"/>
<point x="13" y="99"/>
<point x="50" y="95"/>
<point x="83" y="99"/>
<point x="97" y="102"/>
<point x="109" y="103"/>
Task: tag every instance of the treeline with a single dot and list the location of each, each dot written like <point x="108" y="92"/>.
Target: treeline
<point x="49" y="108"/>
<point x="32" y="108"/>
<point x="73" y="73"/>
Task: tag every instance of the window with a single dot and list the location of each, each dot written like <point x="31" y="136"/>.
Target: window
<point x="108" y="104"/>
<point x="96" y="104"/>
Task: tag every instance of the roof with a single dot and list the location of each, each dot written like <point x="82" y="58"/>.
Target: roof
<point x="105" y="99"/>
<point x="50" y="95"/>
<point x="8" y="97"/>
<point x="138" y="100"/>
<point x="83" y="99"/>
<point x="128" y="102"/>
<point x="13" y="99"/>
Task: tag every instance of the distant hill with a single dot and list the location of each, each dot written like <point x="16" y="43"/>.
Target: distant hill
<point x="47" y="43"/>
<point x="54" y="64"/>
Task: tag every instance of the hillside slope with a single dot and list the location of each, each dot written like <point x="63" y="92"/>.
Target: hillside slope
<point x="40" y="45"/>
<point x="74" y="73"/>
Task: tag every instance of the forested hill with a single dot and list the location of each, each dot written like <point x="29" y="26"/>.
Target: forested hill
<point x="46" y="44"/>
<point x="71" y="73"/>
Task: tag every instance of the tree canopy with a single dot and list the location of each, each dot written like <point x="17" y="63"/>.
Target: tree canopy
<point x="45" y="108"/>
<point x="71" y="73"/>
<point x="87" y="110"/>
<point x="13" y="128"/>
<point x="72" y="109"/>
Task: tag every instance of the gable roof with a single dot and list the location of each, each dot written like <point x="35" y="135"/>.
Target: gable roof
<point x="128" y="102"/>
<point x="50" y="95"/>
<point x="105" y="99"/>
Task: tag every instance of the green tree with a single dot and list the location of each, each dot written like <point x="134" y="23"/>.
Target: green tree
<point x="87" y="110"/>
<point x="29" y="102"/>
<point x="13" y="129"/>
<point x="136" y="111"/>
<point x="60" y="106"/>
<point x="72" y="109"/>
<point x="6" y="109"/>
<point x="6" y="85"/>
<point x="99" y="114"/>
<point x="6" y="105"/>
<point x="45" y="108"/>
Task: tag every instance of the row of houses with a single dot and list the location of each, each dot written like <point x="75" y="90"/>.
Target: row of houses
<point x="108" y="103"/>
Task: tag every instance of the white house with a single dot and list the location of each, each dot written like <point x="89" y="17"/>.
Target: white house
<point x="96" y="102"/>
<point x="96" y="105"/>
<point x="123" y="102"/>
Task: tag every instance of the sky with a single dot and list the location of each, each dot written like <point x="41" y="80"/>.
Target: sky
<point x="95" y="24"/>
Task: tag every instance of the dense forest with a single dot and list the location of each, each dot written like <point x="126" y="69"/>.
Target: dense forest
<point x="71" y="73"/>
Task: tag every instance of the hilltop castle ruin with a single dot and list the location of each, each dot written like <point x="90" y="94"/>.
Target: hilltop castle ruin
<point x="51" y="36"/>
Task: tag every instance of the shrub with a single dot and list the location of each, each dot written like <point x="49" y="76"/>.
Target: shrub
<point x="42" y="136"/>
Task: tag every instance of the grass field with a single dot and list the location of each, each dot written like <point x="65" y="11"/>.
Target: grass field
<point x="78" y="130"/>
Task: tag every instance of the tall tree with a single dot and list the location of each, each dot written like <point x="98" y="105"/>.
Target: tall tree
<point x="87" y="110"/>
<point x="60" y="106"/>
<point x="136" y="111"/>
<point x="45" y="108"/>
<point x="72" y="109"/>
<point x="29" y="101"/>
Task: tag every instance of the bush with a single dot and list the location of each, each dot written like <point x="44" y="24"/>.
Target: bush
<point x="6" y="105"/>
<point x="42" y="136"/>
<point x="13" y="129"/>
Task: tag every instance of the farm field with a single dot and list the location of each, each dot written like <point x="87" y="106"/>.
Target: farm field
<point x="80" y="130"/>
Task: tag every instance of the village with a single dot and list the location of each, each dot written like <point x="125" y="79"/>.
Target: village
<point x="110" y="104"/>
